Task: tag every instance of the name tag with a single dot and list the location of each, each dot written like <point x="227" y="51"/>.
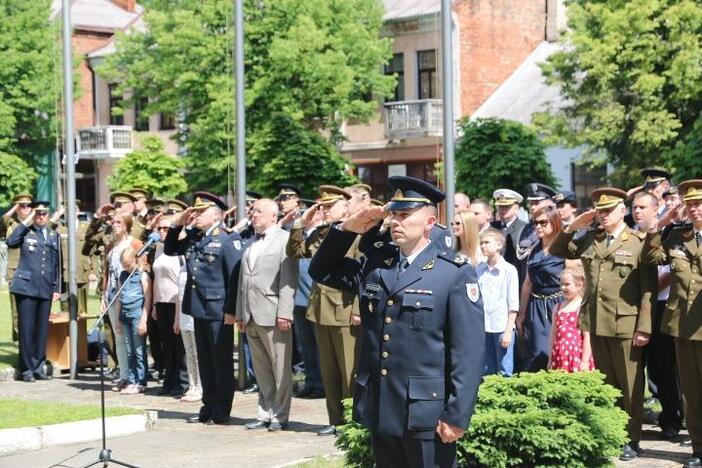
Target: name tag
<point x="623" y="253"/>
<point x="215" y="244"/>
<point x="419" y="291"/>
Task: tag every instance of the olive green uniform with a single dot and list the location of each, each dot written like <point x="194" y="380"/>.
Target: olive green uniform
<point x="7" y="224"/>
<point x="331" y="309"/>
<point x="83" y="268"/>
<point x="682" y="318"/>
<point x="617" y="303"/>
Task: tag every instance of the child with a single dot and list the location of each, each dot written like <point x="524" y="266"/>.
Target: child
<point x="570" y="347"/>
<point x="499" y="285"/>
<point x="133" y="304"/>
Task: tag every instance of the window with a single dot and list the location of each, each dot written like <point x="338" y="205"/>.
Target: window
<point x="397" y="67"/>
<point x="167" y="122"/>
<point x="141" y="119"/>
<point x="116" y="107"/>
<point x="375" y="175"/>
<point x="426" y="61"/>
<point x="585" y="180"/>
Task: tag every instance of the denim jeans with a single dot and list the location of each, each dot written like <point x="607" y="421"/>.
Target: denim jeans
<point x="498" y="360"/>
<point x="136" y="347"/>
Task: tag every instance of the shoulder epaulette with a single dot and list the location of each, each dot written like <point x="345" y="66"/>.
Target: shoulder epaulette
<point x="453" y="257"/>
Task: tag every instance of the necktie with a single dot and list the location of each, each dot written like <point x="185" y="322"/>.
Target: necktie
<point x="402" y="266"/>
<point x="698" y="236"/>
<point x="610" y="238"/>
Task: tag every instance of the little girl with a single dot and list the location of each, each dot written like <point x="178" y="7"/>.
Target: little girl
<point x="570" y="347"/>
<point x="133" y="305"/>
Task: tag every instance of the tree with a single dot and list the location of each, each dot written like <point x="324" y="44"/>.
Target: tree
<point x="498" y="153"/>
<point x="16" y="177"/>
<point x="29" y="79"/>
<point x="314" y="61"/>
<point x="631" y="77"/>
<point x="289" y="152"/>
<point x="150" y="168"/>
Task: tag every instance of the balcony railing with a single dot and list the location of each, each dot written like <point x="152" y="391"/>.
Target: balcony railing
<point x="105" y="142"/>
<point x="413" y="119"/>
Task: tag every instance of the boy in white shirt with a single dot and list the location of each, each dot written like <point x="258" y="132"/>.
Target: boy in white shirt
<point x="499" y="284"/>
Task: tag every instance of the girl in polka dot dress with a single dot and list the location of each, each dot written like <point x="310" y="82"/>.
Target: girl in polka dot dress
<point x="570" y="347"/>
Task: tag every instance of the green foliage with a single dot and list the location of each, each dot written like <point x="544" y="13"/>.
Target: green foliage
<point x="30" y="78"/>
<point x="313" y="61"/>
<point x="497" y="153"/>
<point x="631" y="76"/>
<point x="16" y="177"/>
<point x="284" y="151"/>
<point x="684" y="159"/>
<point x="533" y="419"/>
<point x="151" y="168"/>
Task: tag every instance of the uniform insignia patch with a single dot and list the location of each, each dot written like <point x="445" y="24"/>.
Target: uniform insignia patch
<point x="215" y="244"/>
<point x="448" y="240"/>
<point x="388" y="261"/>
<point x="370" y="307"/>
<point x="473" y="291"/>
<point x="625" y="236"/>
<point x="429" y="265"/>
<point x="378" y="244"/>
<point x="237" y="244"/>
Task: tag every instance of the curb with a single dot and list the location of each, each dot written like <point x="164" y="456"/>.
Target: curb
<point x="34" y="438"/>
<point x="310" y="459"/>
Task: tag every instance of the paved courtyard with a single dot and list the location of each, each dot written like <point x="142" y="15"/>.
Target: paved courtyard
<point x="173" y="443"/>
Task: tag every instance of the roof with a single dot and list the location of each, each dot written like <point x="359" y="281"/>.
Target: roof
<point x="396" y="10"/>
<point x="109" y="47"/>
<point x="97" y="15"/>
<point x="525" y="92"/>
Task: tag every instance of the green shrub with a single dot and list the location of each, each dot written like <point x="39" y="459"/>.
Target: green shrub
<point x="531" y="420"/>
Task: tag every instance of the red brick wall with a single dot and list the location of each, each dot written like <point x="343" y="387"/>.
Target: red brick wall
<point x="495" y="37"/>
<point x="84" y="42"/>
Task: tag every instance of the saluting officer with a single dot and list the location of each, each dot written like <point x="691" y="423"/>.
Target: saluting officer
<point x="8" y="222"/>
<point x="212" y="258"/>
<point x="36" y="284"/>
<point x="682" y="318"/>
<point x="507" y="207"/>
<point x="140" y="213"/>
<point x="422" y="341"/>
<point x="618" y="299"/>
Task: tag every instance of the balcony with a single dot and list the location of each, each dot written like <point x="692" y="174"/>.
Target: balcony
<point x="114" y="141"/>
<point x="413" y="119"/>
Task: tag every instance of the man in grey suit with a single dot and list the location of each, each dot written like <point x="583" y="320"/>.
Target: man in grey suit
<point x="264" y="310"/>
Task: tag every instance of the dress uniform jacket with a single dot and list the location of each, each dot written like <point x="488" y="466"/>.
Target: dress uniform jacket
<point x="37" y="273"/>
<point x="423" y="335"/>
<point x="212" y="262"/>
<point x="6" y="228"/>
<point x="682" y="317"/>
<point x="618" y="285"/>
<point x="84" y="267"/>
<point x="513" y="233"/>
<point x="327" y="306"/>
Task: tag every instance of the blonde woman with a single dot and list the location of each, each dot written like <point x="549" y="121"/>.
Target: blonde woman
<point x="466" y="237"/>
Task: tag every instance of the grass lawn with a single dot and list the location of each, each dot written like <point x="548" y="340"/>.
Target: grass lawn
<point x="323" y="462"/>
<point x="27" y="413"/>
<point x="8" y="349"/>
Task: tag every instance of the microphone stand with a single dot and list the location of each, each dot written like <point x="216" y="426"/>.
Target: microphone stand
<point x="105" y="456"/>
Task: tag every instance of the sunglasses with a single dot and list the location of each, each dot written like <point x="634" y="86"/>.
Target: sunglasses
<point x="162" y="228"/>
<point x="117" y="204"/>
<point x="456" y="223"/>
<point x="23" y="205"/>
<point x="542" y="223"/>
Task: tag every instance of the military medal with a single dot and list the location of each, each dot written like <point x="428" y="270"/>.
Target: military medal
<point x="429" y="265"/>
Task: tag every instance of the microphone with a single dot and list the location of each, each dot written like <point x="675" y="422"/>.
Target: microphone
<point x="153" y="238"/>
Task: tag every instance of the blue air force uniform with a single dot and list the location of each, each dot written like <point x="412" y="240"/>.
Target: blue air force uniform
<point x="422" y="342"/>
<point x="212" y="260"/>
<point x="36" y="280"/>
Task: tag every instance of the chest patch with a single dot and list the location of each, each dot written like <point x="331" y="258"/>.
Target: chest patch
<point x="473" y="292"/>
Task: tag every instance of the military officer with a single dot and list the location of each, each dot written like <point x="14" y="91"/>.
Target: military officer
<point x="333" y="311"/>
<point x="682" y="318"/>
<point x="618" y="299"/>
<point x="567" y="204"/>
<point x="212" y="258"/>
<point x="422" y="344"/>
<point x="538" y="196"/>
<point x="35" y="284"/>
<point x="288" y="200"/>
<point x="141" y="211"/>
<point x="20" y="210"/>
<point x="507" y="207"/>
<point x="656" y="181"/>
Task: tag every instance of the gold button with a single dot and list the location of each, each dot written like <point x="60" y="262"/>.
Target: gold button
<point x="390" y="302"/>
<point x="386" y="337"/>
<point x="385" y="354"/>
<point x="384" y="372"/>
<point x="388" y="320"/>
<point x="418" y="303"/>
<point x="434" y="395"/>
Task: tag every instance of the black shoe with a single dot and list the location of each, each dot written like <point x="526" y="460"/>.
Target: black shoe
<point x="219" y="420"/>
<point x="327" y="430"/>
<point x="276" y="426"/>
<point x="668" y="433"/>
<point x="304" y="393"/>
<point x="252" y="389"/>
<point x="42" y="376"/>
<point x="28" y="378"/>
<point x="695" y="461"/>
<point x="256" y="425"/>
<point x="315" y="394"/>
<point x="197" y="419"/>
<point x="629" y="452"/>
<point x="686" y="443"/>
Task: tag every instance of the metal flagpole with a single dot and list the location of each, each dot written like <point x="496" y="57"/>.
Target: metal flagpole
<point x="240" y="145"/>
<point x="447" y="97"/>
<point x="71" y="216"/>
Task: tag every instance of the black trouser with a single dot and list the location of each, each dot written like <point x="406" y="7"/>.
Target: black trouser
<point x="176" y="378"/>
<point x="155" y="344"/>
<point x="215" y="358"/>
<point x="663" y="373"/>
<point x="405" y="452"/>
<point x="33" y="316"/>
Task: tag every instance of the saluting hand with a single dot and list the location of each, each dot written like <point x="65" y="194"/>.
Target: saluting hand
<point x="365" y="219"/>
<point x="187" y="216"/>
<point x="307" y="216"/>
<point x="288" y="218"/>
<point x="154" y="221"/>
<point x="583" y="220"/>
<point x="229" y="212"/>
<point x="28" y="220"/>
<point x="103" y="210"/>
